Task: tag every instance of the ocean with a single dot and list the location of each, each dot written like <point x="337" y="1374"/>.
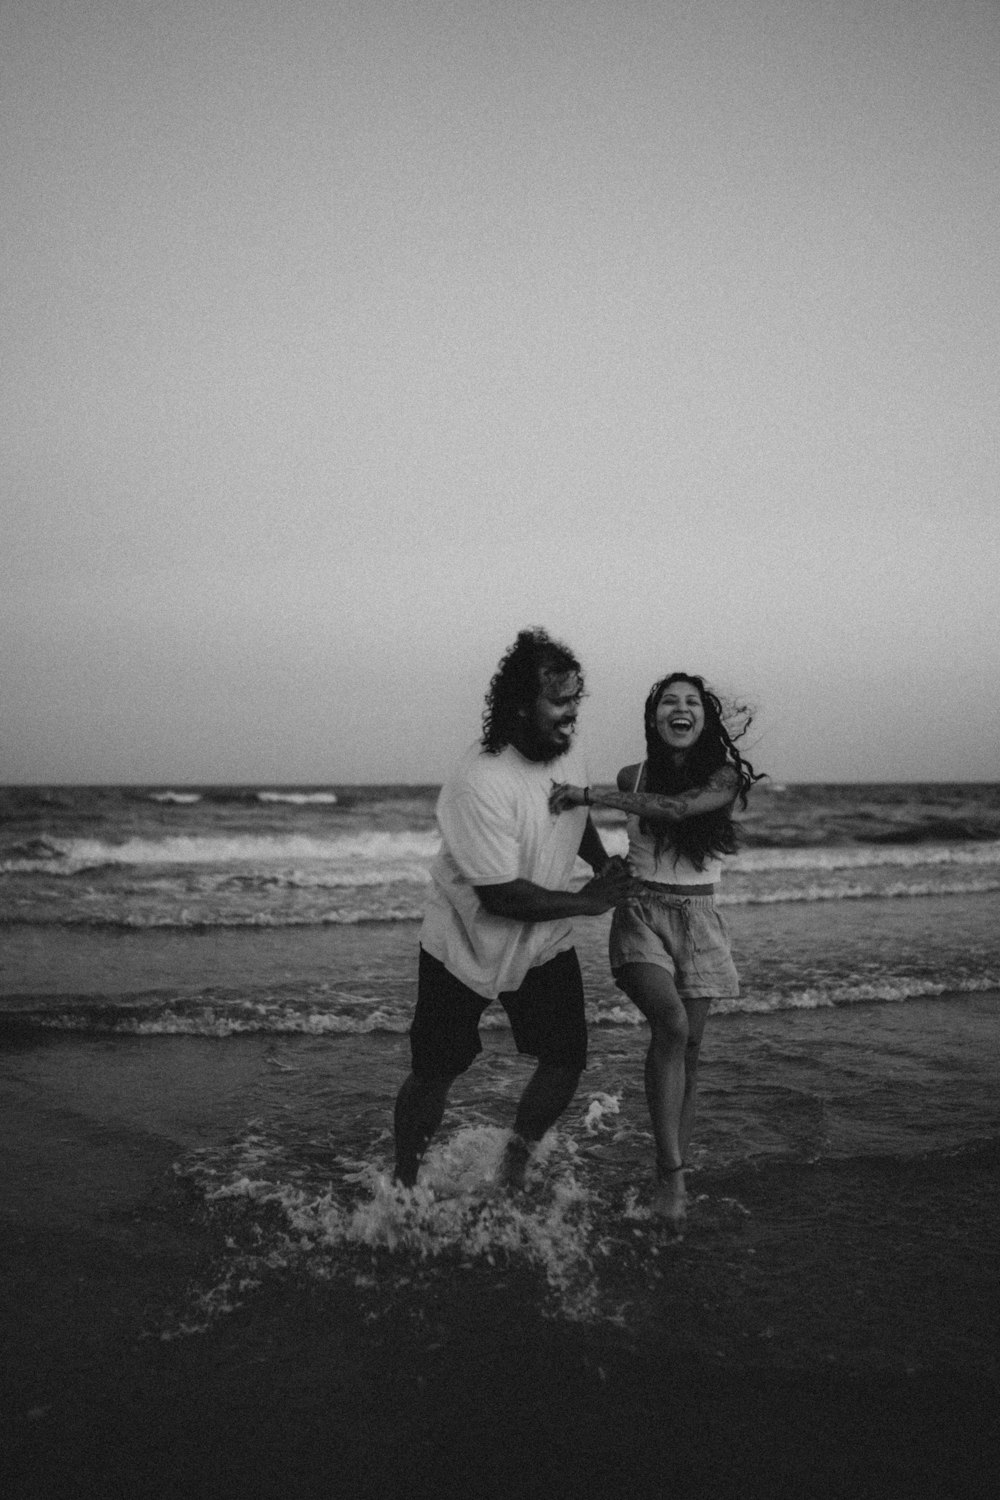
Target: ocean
<point x="204" y="997"/>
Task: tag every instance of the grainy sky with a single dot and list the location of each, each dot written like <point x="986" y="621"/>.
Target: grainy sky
<point x="345" y="337"/>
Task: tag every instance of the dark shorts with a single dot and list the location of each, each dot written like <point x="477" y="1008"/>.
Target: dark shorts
<point x="546" y="1016"/>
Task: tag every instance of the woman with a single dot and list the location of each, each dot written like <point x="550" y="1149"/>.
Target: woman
<point x="669" y="947"/>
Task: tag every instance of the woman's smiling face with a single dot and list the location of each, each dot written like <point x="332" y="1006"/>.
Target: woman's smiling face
<point x="680" y="715"/>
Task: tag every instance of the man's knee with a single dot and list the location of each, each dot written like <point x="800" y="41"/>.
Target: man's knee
<point x="433" y="1058"/>
<point x="557" y="1082"/>
<point x="418" y="1087"/>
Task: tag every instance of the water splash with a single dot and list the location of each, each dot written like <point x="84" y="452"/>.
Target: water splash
<point x="600" y="1105"/>
<point x="265" y="1194"/>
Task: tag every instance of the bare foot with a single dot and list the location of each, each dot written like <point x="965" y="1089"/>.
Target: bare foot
<point x="513" y="1165"/>
<point x="669" y="1203"/>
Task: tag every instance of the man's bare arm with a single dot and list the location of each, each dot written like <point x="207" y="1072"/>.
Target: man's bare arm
<point x="522" y="901"/>
<point x="592" y="850"/>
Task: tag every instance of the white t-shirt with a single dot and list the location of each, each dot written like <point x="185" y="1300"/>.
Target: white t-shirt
<point x="495" y="824"/>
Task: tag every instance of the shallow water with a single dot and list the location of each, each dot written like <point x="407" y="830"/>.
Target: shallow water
<point x="200" y="1044"/>
<point x="286" y="1141"/>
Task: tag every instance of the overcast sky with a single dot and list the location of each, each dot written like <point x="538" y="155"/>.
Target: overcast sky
<point x="343" y="338"/>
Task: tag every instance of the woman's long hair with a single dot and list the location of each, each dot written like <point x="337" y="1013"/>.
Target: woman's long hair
<point x="711" y="833"/>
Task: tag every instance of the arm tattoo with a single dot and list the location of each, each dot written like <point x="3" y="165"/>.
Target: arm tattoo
<point x="720" y="788"/>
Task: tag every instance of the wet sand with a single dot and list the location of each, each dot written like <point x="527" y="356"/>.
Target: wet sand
<point x="791" y="1368"/>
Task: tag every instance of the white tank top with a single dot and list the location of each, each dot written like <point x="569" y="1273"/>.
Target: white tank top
<point x="671" y="868"/>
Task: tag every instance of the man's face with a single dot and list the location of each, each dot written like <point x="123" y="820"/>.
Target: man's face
<point x="549" y="725"/>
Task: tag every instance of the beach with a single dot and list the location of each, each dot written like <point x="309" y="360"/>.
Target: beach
<point x="827" y="1329"/>
<point x="389" y="385"/>
<point x="212" y="1289"/>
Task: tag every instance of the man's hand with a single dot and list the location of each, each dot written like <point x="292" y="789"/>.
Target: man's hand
<point x="520" y="901"/>
<point x="614" y="885"/>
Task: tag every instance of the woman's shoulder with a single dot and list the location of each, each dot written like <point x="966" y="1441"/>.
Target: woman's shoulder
<point x="724" y="778"/>
<point x="627" y="777"/>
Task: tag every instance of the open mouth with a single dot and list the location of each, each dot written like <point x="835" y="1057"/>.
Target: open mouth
<point x="681" y="724"/>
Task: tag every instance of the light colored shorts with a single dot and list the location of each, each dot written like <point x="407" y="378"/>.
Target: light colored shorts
<point x="686" y="935"/>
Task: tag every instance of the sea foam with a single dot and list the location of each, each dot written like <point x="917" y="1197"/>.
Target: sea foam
<point x="454" y="1213"/>
<point x="337" y="1013"/>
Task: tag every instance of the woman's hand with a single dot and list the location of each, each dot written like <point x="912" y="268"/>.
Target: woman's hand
<point x="613" y="886"/>
<point x="564" y="796"/>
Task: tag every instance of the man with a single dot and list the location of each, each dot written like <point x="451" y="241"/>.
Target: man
<point x="497" y="924"/>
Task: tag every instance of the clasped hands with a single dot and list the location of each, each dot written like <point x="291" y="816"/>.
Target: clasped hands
<point x="612" y="884"/>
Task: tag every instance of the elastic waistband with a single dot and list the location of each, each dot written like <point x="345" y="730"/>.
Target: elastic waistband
<point x="685" y="892"/>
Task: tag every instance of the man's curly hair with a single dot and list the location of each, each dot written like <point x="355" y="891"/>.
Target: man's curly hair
<point x="516" y="683"/>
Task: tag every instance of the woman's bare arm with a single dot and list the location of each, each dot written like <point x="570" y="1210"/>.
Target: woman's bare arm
<point x="718" y="791"/>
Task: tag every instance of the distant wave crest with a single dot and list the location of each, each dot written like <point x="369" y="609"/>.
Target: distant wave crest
<point x="71" y="856"/>
<point x="363" y="851"/>
<point x="300" y="799"/>
<point x="866" y="856"/>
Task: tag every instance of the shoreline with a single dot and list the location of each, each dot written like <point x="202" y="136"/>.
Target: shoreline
<point x="828" y="1327"/>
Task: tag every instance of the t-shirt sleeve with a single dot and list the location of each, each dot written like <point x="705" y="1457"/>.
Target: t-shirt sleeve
<point x="481" y="838"/>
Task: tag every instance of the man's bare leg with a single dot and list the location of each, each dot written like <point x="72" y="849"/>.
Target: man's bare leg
<point x="548" y="1094"/>
<point x="419" y="1111"/>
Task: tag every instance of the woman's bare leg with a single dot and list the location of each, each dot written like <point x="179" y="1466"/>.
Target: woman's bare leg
<point x="697" y="1014"/>
<point x="671" y="1075"/>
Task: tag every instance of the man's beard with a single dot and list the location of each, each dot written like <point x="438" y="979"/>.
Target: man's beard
<point x="542" y="748"/>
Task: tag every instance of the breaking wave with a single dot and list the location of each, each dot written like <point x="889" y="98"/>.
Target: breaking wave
<point x="340" y="1012"/>
<point x="53" y="856"/>
<point x="380" y="850"/>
